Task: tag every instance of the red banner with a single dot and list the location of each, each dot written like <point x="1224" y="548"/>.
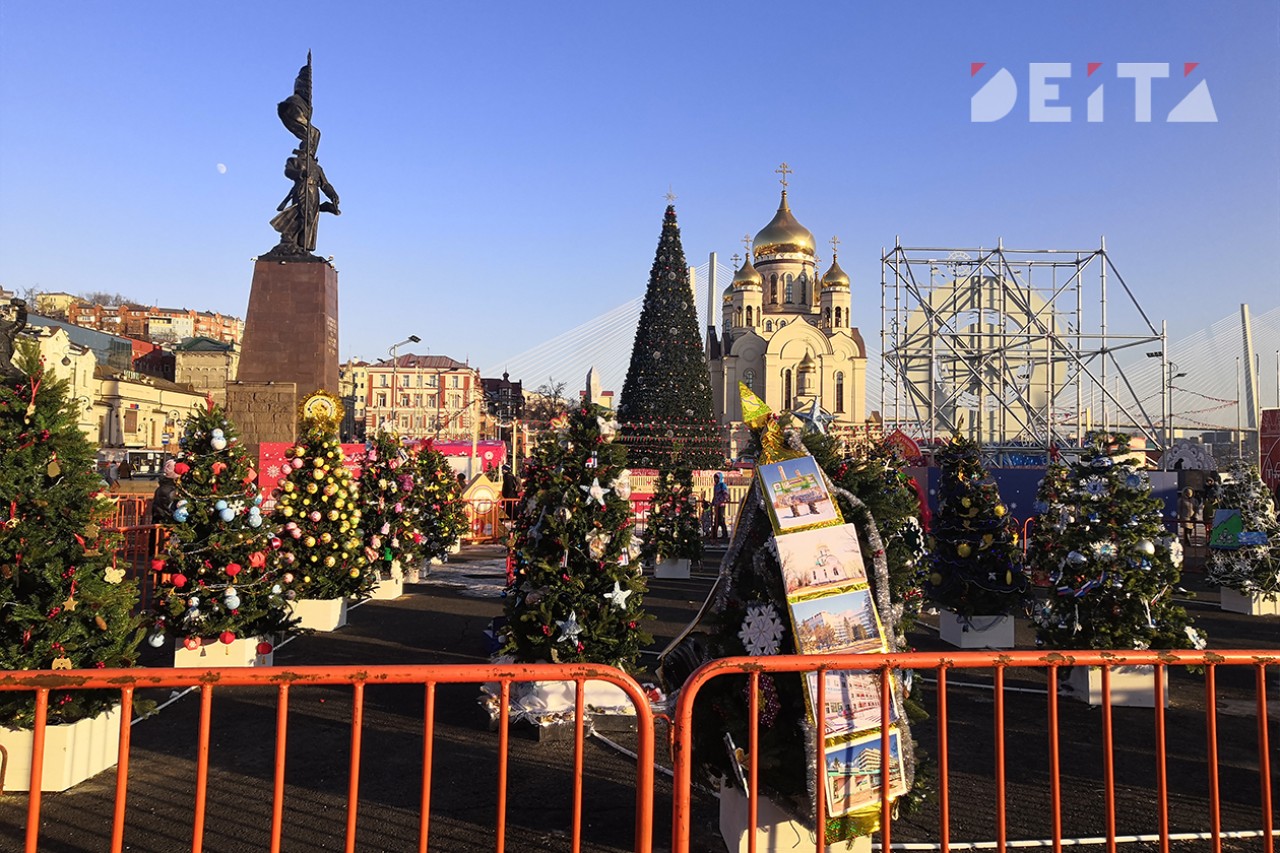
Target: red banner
<point x="1269" y="448"/>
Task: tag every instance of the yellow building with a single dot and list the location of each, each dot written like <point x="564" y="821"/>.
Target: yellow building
<point x="787" y="332"/>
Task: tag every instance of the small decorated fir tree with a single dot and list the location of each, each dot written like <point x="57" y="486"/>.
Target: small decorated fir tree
<point x="665" y="406"/>
<point x="1112" y="565"/>
<point x="575" y="591"/>
<point x="220" y="564"/>
<point x="975" y="562"/>
<point x="1045" y="545"/>
<point x="441" y="513"/>
<point x="319" y="513"/>
<point x="65" y="603"/>
<point x="874" y="473"/>
<point x="388" y="508"/>
<point x="1248" y="559"/>
<point x="673" y="530"/>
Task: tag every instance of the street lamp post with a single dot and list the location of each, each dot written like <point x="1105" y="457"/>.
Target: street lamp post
<point x="395" y="364"/>
<point x="1172" y="376"/>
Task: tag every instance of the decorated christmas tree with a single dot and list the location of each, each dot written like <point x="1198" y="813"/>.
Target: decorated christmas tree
<point x="319" y="512"/>
<point x="665" y="407"/>
<point x="442" y="515"/>
<point x="1113" y="567"/>
<point x="1245" y="554"/>
<point x="575" y="591"/>
<point x="975" y="561"/>
<point x="66" y="603"/>
<point x="769" y="580"/>
<point x="388" y="507"/>
<point x="874" y="472"/>
<point x="1044" y="543"/>
<point x="220" y="562"/>
<point x="673" y="530"/>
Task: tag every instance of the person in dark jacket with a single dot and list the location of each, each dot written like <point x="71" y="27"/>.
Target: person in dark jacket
<point x="162" y="502"/>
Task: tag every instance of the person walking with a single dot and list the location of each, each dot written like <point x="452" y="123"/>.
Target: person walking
<point x="113" y="476"/>
<point x="719" y="502"/>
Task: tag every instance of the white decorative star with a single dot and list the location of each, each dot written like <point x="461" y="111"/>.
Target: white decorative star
<point x="618" y="598"/>
<point x="595" y="491"/>
<point x="569" y="628"/>
<point x="814" y="417"/>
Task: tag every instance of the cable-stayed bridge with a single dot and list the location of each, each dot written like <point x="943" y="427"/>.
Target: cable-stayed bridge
<point x="1204" y="398"/>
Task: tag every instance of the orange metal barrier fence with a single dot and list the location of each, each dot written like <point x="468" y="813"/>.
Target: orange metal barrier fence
<point x="998" y="663"/>
<point x="211" y="681"/>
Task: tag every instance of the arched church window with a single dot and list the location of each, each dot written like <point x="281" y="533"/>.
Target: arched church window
<point x="839" y="390"/>
<point x="737" y="317"/>
<point x="804" y="288"/>
<point x="826" y="314"/>
<point x="749" y="379"/>
<point x="815" y="291"/>
<point x="838" y="323"/>
<point x="786" y="389"/>
<point x="768" y="325"/>
<point x="749" y="315"/>
<point x="773" y="288"/>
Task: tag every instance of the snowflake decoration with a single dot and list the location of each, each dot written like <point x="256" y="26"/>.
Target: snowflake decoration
<point x="761" y="631"/>
<point x="273" y="471"/>
<point x="1106" y="550"/>
<point x="113" y="575"/>
<point x="1175" y="552"/>
<point x="1095" y="487"/>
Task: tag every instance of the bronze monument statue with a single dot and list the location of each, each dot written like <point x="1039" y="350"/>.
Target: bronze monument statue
<point x="8" y="338"/>
<point x="300" y="211"/>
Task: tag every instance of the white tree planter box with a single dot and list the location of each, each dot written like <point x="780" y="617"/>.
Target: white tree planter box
<point x="388" y="588"/>
<point x="319" y="614"/>
<point x="975" y="632"/>
<point x="72" y="753"/>
<point x="456" y="547"/>
<point x="675" y="568"/>
<point x="213" y="652"/>
<point x="1250" y="604"/>
<point x="1131" y="686"/>
<point x="776" y="830"/>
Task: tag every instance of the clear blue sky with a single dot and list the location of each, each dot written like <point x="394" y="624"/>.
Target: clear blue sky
<point x="502" y="166"/>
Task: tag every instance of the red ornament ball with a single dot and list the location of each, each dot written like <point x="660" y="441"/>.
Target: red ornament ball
<point x="179" y="580"/>
<point x="227" y="638"/>
<point x="157" y="565"/>
<point x="191" y="643"/>
<point x="233" y="569"/>
<point x="264" y="648"/>
<point x="181" y="468"/>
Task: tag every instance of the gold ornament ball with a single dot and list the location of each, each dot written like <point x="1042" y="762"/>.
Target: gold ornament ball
<point x="333" y="515"/>
<point x="965" y="502"/>
<point x="963" y="549"/>
<point x="306" y="501"/>
<point x="329" y="454"/>
<point x="318" y="474"/>
<point x="1000" y="510"/>
<point x="310" y="541"/>
<point x="288" y="487"/>
<point x="330" y="562"/>
<point x="288" y="511"/>
<point x="306" y="578"/>
<point x="311" y="488"/>
<point x="314" y="558"/>
<point x="318" y="462"/>
<point x="355" y="573"/>
<point x="935" y="578"/>
<point x="325" y="537"/>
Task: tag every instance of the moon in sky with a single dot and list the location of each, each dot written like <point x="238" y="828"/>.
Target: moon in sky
<point x="222" y="168"/>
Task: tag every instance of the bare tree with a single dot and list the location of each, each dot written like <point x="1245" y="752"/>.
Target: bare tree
<point x="544" y="403"/>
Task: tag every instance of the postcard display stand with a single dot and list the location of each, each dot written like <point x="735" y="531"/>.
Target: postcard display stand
<point x="832" y="611"/>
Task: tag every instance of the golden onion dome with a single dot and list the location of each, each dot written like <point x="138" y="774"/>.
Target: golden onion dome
<point x="835" y="277"/>
<point x="748" y="276"/>
<point x="807" y="363"/>
<point x="784" y="234"/>
<point x="727" y="294"/>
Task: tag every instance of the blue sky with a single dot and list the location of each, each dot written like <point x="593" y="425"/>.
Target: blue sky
<point x="502" y="166"/>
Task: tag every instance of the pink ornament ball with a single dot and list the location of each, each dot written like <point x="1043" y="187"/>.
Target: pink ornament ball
<point x="297" y="463"/>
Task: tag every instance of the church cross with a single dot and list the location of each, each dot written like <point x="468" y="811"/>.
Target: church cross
<point x="735" y="258"/>
<point x="783" y="170"/>
<point x="835" y="245"/>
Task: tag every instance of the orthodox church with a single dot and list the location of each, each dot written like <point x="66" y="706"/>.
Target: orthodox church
<point x="787" y="333"/>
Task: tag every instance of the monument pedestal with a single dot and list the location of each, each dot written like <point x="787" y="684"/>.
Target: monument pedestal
<point x="290" y="339"/>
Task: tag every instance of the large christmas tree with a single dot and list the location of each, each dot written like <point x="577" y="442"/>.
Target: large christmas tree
<point x="673" y="530"/>
<point x="66" y="604"/>
<point x="319" y="513"/>
<point x="1111" y="562"/>
<point x="975" y="561"/>
<point x="220" y="562"/>
<point x="442" y="515"/>
<point x="575" y="591"/>
<point x="665" y="408"/>
<point x="389" y="509"/>
<point x="1248" y="561"/>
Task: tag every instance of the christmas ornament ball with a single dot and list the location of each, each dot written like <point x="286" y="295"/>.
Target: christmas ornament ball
<point x="179" y="580"/>
<point x="1146" y="546"/>
<point x="297" y="463"/>
<point x="227" y="514"/>
<point x="264" y="648"/>
<point x="964" y="549"/>
<point x="156" y="640"/>
<point x="935" y="579"/>
<point x="227" y="638"/>
<point x="1000" y="510"/>
<point x="966" y="503"/>
<point x="355" y="573"/>
<point x="218" y="443"/>
<point x="319" y="475"/>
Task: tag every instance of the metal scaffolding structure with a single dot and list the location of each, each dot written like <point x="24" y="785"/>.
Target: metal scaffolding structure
<point x="1014" y="348"/>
